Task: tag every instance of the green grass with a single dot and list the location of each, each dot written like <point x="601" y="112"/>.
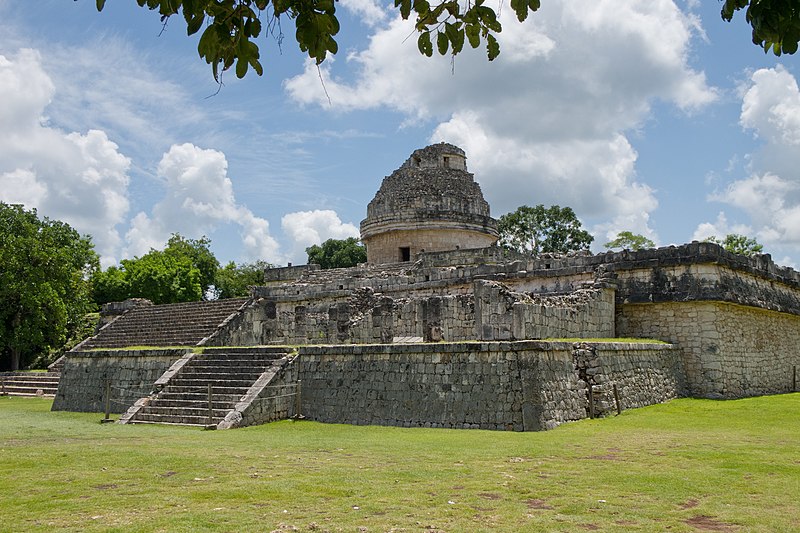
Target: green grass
<point x="687" y="465"/>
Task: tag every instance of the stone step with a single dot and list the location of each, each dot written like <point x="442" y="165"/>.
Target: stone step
<point x="195" y="403"/>
<point x="183" y="412"/>
<point x="12" y="390"/>
<point x="218" y="381"/>
<point x="190" y="392"/>
<point x="244" y="375"/>
<point x="164" y="423"/>
<point x="226" y="395"/>
<point x="183" y="420"/>
<point x="22" y="380"/>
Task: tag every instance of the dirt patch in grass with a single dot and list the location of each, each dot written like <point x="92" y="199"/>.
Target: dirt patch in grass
<point x="708" y="523"/>
<point x="490" y="496"/>
<point x="535" y="503"/>
<point x="689" y="504"/>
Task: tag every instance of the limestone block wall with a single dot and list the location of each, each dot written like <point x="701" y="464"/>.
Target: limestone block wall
<point x="131" y="372"/>
<point x="729" y="350"/>
<point x="644" y="374"/>
<point x="385" y="247"/>
<point x="510" y="386"/>
<point x="502" y="314"/>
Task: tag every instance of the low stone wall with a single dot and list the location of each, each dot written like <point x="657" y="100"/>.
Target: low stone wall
<point x="643" y="374"/>
<point x="130" y="372"/>
<point x="521" y="386"/>
<point x="729" y="350"/>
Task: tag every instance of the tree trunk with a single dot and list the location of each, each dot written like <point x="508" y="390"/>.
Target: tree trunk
<point x="14" y="359"/>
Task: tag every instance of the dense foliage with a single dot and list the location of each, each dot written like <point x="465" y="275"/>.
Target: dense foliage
<point x="235" y="280"/>
<point x="626" y="240"/>
<point x="44" y="291"/>
<point x="230" y="27"/>
<point x="536" y="230"/>
<point x="738" y="244"/>
<point x="775" y="23"/>
<point x="337" y="253"/>
<point x="182" y="272"/>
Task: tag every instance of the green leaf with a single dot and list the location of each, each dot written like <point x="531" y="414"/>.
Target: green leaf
<point x="424" y="44"/>
<point x="241" y="68"/>
<point x="441" y="43"/>
<point x="492" y="47"/>
<point x="520" y="7"/>
<point x="473" y="34"/>
<point x="101" y="4"/>
<point x="194" y="24"/>
<point x="405" y="8"/>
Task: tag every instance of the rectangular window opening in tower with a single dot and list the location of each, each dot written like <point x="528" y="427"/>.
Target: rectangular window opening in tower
<point x="405" y="253"/>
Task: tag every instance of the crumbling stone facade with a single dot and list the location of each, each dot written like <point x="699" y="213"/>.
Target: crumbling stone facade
<point x="431" y="203"/>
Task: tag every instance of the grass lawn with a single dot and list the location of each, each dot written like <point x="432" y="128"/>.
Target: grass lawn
<point x="689" y="465"/>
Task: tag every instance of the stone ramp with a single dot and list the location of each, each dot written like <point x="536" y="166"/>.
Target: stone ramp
<point x="236" y="376"/>
<point x="29" y="383"/>
<point x="182" y="324"/>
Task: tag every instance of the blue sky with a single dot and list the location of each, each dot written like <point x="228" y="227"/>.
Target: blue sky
<point x="650" y="116"/>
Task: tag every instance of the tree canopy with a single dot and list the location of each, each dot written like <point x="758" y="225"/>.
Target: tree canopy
<point x="540" y="229"/>
<point x="627" y="240"/>
<point x="336" y="253"/>
<point x="738" y="244"/>
<point x="235" y="280"/>
<point x="231" y="27"/>
<point x="182" y="272"/>
<point x="775" y="23"/>
<point x="44" y="291"/>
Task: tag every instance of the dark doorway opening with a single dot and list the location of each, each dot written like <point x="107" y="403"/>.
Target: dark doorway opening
<point x="405" y="253"/>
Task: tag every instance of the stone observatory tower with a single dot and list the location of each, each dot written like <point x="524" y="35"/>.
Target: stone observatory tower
<point x="430" y="204"/>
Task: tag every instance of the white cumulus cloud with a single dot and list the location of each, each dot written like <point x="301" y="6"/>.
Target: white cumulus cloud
<point x="198" y="199"/>
<point x="79" y="178"/>
<point x="770" y="194"/>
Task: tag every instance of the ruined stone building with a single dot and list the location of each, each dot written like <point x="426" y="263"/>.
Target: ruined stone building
<point x="442" y="328"/>
<point x="430" y="204"/>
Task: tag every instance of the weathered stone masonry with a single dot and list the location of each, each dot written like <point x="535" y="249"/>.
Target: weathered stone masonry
<point x="527" y="385"/>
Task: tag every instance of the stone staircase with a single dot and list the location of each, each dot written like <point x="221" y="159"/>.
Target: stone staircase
<point x="182" y="324"/>
<point x="29" y="383"/>
<point x="236" y="376"/>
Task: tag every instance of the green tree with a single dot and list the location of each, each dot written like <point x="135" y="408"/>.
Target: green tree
<point x="198" y="252"/>
<point x="230" y="27"/>
<point x="337" y="253"/>
<point x="110" y="285"/>
<point x="235" y="280"/>
<point x="44" y="290"/>
<point x="775" y="23"/>
<point x="163" y="277"/>
<point x="630" y="241"/>
<point x="538" y="230"/>
<point x="738" y="244"/>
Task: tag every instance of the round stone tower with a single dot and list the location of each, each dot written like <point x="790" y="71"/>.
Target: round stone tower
<point x="430" y="204"/>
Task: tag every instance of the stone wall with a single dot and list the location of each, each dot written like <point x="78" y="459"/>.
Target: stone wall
<point x="643" y="374"/>
<point x="502" y="314"/>
<point x="729" y="351"/>
<point x="131" y="373"/>
<point x="521" y="386"/>
<point x="385" y="247"/>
